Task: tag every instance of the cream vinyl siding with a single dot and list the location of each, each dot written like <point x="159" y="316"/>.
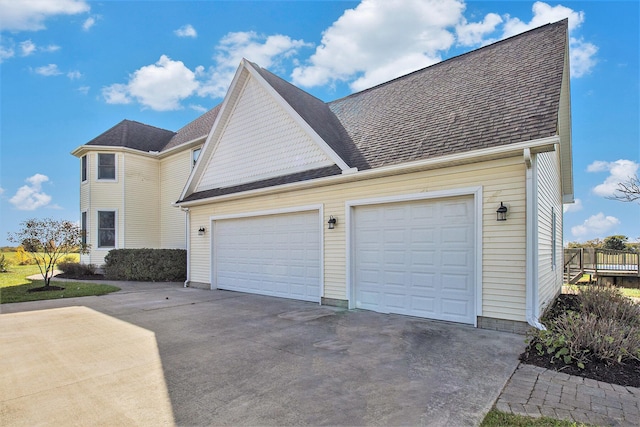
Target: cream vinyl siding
<point x="174" y="171"/>
<point x="273" y="145"/>
<point x="142" y="216"/>
<point x="104" y="195"/>
<point x="85" y="206"/>
<point x="503" y="242"/>
<point x="549" y="200"/>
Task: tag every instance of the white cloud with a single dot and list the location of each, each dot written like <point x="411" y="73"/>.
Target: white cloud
<point x="116" y="94"/>
<point x="48" y="70"/>
<point x="543" y="14"/>
<point x="31" y="197"/>
<point x="6" y="52"/>
<point x="27" y="47"/>
<point x="160" y="86"/>
<point x="50" y="48"/>
<point x="380" y="40"/>
<point x="88" y="23"/>
<point x="266" y="51"/>
<point x="576" y="206"/>
<point x="582" y="54"/>
<point x="75" y="74"/>
<point x="198" y="108"/>
<point x="186" y="31"/>
<point x="20" y="15"/>
<point x="84" y="89"/>
<point x="581" y="57"/>
<point x="619" y="171"/>
<point x="470" y="34"/>
<point x="595" y="225"/>
<point x="1" y="191"/>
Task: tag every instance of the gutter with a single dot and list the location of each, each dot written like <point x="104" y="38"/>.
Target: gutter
<point x="531" y="270"/>
<point x="187" y="237"/>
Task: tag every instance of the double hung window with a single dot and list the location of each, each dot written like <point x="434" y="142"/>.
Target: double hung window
<point x="106" y="166"/>
<point x="106" y="229"/>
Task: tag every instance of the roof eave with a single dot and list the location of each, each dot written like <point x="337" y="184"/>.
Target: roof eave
<point x="536" y="146"/>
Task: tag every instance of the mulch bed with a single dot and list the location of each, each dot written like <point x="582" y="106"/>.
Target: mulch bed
<point x="46" y="289"/>
<point x="81" y="277"/>
<point x="627" y="374"/>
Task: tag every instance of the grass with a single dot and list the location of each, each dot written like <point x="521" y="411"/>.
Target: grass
<point x="630" y="292"/>
<point x="627" y="292"/>
<point x="497" y="418"/>
<point x="20" y="293"/>
<point x="14" y="286"/>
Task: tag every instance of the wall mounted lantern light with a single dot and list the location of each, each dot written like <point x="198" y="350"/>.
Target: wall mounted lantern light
<point x="201" y="231"/>
<point x="501" y="213"/>
<point x="332" y="222"/>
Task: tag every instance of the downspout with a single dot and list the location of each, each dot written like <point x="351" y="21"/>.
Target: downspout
<point x="187" y="237"/>
<point x="531" y="273"/>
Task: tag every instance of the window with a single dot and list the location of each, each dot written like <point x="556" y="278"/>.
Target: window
<point x="106" y="229"/>
<point x="106" y="166"/>
<point x="83" y="228"/>
<point x="84" y="168"/>
<point x="195" y="154"/>
<point x="553" y="238"/>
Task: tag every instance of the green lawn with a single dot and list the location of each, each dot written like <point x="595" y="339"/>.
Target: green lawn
<point x="14" y="286"/>
<point x="496" y="418"/>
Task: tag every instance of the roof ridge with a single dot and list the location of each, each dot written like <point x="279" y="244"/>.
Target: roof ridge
<point x="146" y="124"/>
<point x="453" y="58"/>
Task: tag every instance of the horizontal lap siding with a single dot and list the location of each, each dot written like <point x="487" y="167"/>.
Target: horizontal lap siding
<point x="504" y="242"/>
<point x="142" y="218"/>
<point x="174" y="172"/>
<point x="549" y="200"/>
<point x="107" y="196"/>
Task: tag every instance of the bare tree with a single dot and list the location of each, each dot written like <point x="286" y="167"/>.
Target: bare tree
<point x="47" y="241"/>
<point x="628" y="191"/>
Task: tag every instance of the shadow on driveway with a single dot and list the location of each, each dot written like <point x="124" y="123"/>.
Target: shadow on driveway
<point x="238" y="359"/>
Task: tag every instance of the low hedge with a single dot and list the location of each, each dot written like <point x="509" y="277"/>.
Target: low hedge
<point x="148" y="265"/>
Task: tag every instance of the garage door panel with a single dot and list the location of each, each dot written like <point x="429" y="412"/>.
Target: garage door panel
<point x="276" y="255"/>
<point x="416" y="258"/>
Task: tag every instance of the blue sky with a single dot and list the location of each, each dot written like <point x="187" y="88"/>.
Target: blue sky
<point x="71" y="69"/>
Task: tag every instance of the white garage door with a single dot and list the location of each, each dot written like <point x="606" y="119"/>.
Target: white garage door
<point x="416" y="258"/>
<point x="277" y="255"/>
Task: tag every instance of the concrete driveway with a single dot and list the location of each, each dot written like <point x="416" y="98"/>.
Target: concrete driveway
<point x="156" y="354"/>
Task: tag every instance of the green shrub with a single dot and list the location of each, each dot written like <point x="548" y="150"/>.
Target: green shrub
<point x="76" y="269"/>
<point x="606" y="327"/>
<point x="151" y="265"/>
<point x="4" y="264"/>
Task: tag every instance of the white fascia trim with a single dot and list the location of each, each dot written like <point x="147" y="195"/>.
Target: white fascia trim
<point x="81" y="151"/>
<point x="476" y="192"/>
<point x="328" y="151"/>
<point x="538" y="146"/>
<point x="184" y="146"/>
<point x="293" y="209"/>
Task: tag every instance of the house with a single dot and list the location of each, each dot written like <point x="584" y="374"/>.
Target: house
<point x="438" y="194"/>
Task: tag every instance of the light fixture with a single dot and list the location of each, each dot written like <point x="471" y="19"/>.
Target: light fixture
<point x="201" y="231"/>
<point x="332" y="222"/>
<point x="501" y="213"/>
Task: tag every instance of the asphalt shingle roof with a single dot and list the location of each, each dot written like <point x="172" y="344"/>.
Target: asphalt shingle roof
<point x="198" y="128"/>
<point x="135" y="135"/>
<point x="500" y="94"/>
